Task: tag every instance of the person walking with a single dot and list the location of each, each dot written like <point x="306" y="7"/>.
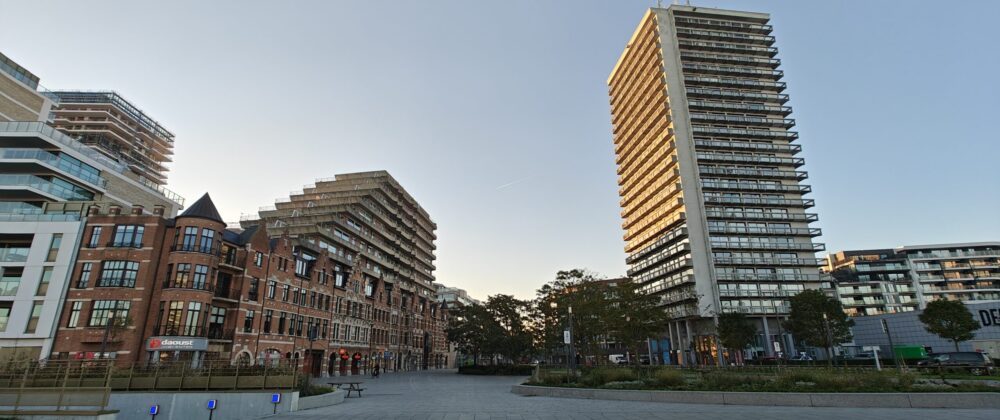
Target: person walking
<point x="375" y="370"/>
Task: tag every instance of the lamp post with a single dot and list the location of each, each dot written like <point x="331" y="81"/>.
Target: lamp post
<point x="829" y="340"/>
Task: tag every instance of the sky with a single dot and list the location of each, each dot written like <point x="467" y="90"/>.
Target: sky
<point x="495" y="117"/>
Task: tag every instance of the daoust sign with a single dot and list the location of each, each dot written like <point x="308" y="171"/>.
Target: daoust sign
<point x="176" y="343"/>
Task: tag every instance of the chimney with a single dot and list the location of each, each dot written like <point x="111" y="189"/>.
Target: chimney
<point x="137" y="209"/>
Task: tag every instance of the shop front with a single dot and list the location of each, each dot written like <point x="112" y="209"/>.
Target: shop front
<point x="177" y="349"/>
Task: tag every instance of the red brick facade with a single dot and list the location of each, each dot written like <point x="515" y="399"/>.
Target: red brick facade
<point x="242" y="296"/>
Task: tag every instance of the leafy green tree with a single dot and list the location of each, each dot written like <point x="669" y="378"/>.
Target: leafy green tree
<point x="473" y="331"/>
<point x="637" y="315"/>
<point x="806" y="320"/>
<point x="949" y="319"/>
<point x="509" y="319"/>
<point x="736" y="332"/>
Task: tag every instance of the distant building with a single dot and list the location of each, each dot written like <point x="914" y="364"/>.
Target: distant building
<point x="454" y="296"/>
<point x="903" y="279"/>
<point x="712" y="199"/>
<point x="109" y="123"/>
<point x="907" y="330"/>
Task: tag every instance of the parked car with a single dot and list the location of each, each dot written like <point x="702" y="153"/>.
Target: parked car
<point x="974" y="362"/>
<point x="618" y="359"/>
<point x="644" y="359"/>
<point x="801" y="357"/>
<point x="865" y="355"/>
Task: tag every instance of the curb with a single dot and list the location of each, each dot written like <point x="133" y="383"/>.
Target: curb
<point x="789" y="399"/>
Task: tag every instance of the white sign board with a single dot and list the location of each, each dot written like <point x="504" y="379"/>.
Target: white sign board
<point x="567" y="339"/>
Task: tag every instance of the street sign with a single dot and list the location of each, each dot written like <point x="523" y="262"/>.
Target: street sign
<point x="154" y="409"/>
<point x="566" y="337"/>
<point x="275" y="398"/>
<point x="212" y="404"/>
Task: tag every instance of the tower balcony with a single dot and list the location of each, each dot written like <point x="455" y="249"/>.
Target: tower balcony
<point x="742" y="120"/>
<point x="741" y="132"/>
<point x="746" y="145"/>
<point x="701" y="92"/>
<point x="729" y="82"/>
<point x="752" y="186"/>
<point x="755" y="215"/>
<point x="752" y="172"/>
<point x="749" y="159"/>
<point x="770" y="202"/>
<point x="730" y="59"/>
<point x="739" y="107"/>
<point x="810" y="232"/>
<point x="755" y="277"/>
<point x="708" y="69"/>
<point x="725" y="47"/>
<point x="791" y="246"/>
<point x="771" y="261"/>
<point x="738" y="37"/>
<point x="727" y="25"/>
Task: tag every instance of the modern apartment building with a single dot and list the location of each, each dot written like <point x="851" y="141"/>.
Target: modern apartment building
<point x="109" y="123"/>
<point x="903" y="279"/>
<point x="21" y="97"/>
<point x="371" y="226"/>
<point x="48" y="181"/>
<point x="713" y="204"/>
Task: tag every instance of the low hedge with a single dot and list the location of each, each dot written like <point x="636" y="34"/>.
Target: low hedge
<point x="500" y="370"/>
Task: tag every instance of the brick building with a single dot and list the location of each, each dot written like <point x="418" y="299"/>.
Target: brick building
<point x="147" y="288"/>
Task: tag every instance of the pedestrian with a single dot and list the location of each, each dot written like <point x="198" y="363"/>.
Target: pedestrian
<point x="375" y="370"/>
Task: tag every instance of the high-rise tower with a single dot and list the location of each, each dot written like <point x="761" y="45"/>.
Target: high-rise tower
<point x="711" y="194"/>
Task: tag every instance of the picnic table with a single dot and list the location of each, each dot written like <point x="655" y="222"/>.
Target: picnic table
<point x="351" y="386"/>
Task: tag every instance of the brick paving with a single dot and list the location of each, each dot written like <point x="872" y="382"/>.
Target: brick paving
<point x="444" y="395"/>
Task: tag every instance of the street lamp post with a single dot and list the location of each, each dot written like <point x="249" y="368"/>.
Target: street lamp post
<point x="829" y="340"/>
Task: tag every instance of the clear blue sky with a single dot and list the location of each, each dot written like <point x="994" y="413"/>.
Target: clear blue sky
<point x="494" y="115"/>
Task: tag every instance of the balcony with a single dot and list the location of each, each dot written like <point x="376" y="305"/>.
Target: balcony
<point x="701" y="81"/>
<point x="771" y="202"/>
<point x="742" y="38"/>
<point x="801" y="262"/>
<point x="689" y="56"/>
<point x="742" y="120"/>
<point x="736" y="95"/>
<point x="687" y="44"/>
<point x="751" y="172"/>
<point x="757" y="309"/>
<point x="790" y="246"/>
<point x="188" y="285"/>
<point x="739" y="107"/>
<point x="44" y="187"/>
<point x="811" y="232"/>
<point x="951" y="254"/>
<point x="740" y="132"/>
<point x="757" y="28"/>
<point x="753" y="186"/>
<point x="753" y="215"/>
<point x="748" y="146"/>
<point x="756" y="293"/>
<point x="667" y="238"/>
<point x="722" y="71"/>
<point x="61" y="163"/>
<point x="195" y="248"/>
<point x="227" y="293"/>
<point x="750" y="159"/>
<point x="755" y="277"/>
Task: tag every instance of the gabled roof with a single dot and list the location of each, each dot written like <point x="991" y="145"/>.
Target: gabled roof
<point x="204" y="208"/>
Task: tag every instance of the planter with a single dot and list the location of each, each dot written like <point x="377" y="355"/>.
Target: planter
<point x="316" y="401"/>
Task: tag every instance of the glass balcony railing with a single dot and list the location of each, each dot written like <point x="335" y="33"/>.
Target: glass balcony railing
<point x="752" y="215"/>
<point x="14" y="254"/>
<point x="769" y="277"/>
<point x="746" y="145"/>
<point x="688" y="44"/>
<point x="757" y="28"/>
<point x="62" y="163"/>
<point x="743" y="120"/>
<point x="746" y="158"/>
<point x="951" y="254"/>
<point x="783" y="202"/>
<point x="737" y="95"/>
<point x="730" y="59"/>
<point x="730" y="70"/>
<point x="742" y="230"/>
<point x="735" y="83"/>
<point x="740" y="107"/>
<point x="45" y="186"/>
<point x="726" y="36"/>
<point x="796" y="246"/>
<point x="806" y="262"/>
<point x="753" y="186"/>
<point x="752" y="173"/>
<point x="739" y="132"/>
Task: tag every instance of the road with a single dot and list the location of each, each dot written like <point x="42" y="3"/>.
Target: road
<point x="445" y="395"/>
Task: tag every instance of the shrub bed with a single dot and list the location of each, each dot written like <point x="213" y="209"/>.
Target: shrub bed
<point x="514" y="370"/>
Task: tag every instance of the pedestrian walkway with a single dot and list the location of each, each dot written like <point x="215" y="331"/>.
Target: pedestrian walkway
<point x="445" y="395"/>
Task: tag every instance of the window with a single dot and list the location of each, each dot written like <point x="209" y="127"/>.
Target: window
<point x="200" y="277"/>
<point x="54" y="247"/>
<point x="271" y="286"/>
<point x="43" y="283"/>
<point x="183" y="275"/>
<point x="248" y="322"/>
<point x="192" y="324"/>
<point x="284" y="292"/>
<point x="5" y="314"/>
<point x="258" y="259"/>
<point x="302" y="299"/>
<point x="216" y="321"/>
<point x="74" y="315"/>
<point x="207" y="240"/>
<point x="254" y="286"/>
<point x="190" y="238"/>
<point x="174" y="315"/>
<point x="128" y="236"/>
<point x="10" y="280"/>
<point x="299" y="332"/>
<point x="326" y="326"/>
<point x="95" y="237"/>
<point x="104" y="310"/>
<point x="36" y="313"/>
<point x="118" y="274"/>
<point x="281" y="323"/>
<point x="268" y="314"/>
<point x="84" y="281"/>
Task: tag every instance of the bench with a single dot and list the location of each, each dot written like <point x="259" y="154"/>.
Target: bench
<point x="351" y="387"/>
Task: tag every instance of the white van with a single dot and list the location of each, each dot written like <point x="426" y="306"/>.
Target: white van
<point x="618" y="359"/>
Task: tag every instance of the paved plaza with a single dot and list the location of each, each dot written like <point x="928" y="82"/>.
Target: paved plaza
<point x="445" y="395"/>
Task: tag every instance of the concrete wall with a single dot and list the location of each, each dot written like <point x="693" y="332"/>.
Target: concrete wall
<point x="192" y="405"/>
<point x="316" y="401"/>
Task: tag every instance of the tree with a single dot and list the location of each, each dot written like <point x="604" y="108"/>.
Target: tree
<point x="949" y="319"/>
<point x="636" y="315"/>
<point x="736" y="332"/>
<point x="508" y="317"/>
<point x="473" y="330"/>
<point x="806" y="320"/>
